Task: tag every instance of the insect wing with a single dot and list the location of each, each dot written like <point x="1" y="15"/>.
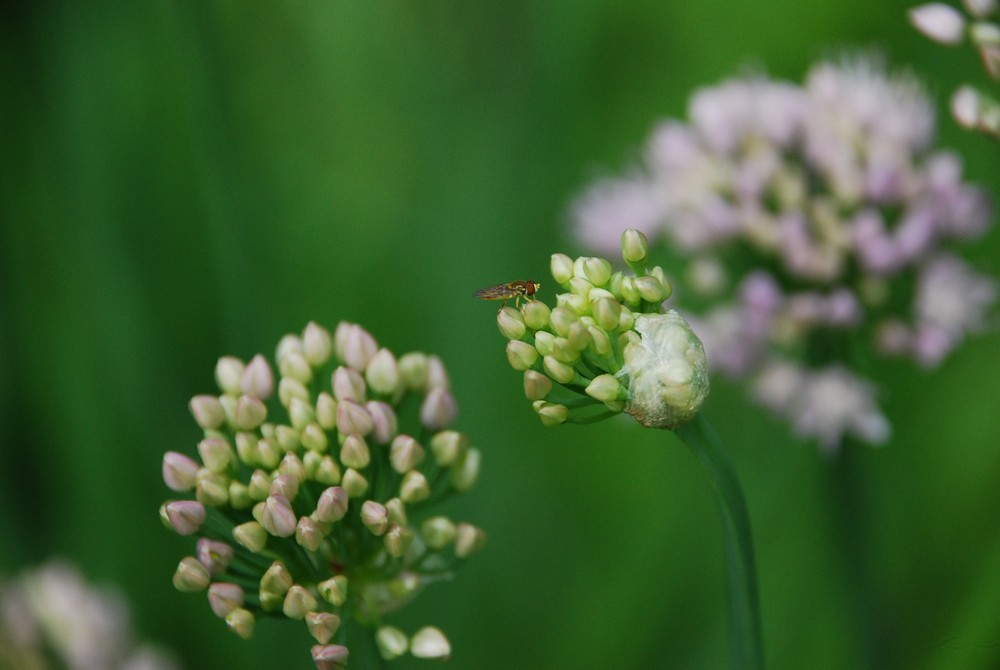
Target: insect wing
<point x="498" y="292"/>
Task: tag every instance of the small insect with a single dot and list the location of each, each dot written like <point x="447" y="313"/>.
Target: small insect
<point x="514" y="289"/>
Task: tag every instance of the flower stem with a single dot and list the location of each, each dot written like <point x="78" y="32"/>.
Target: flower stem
<point x="744" y="607"/>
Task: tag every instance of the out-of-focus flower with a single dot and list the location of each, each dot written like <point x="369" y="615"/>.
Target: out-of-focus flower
<point x="51" y="617"/>
<point x="945" y="24"/>
<point x="320" y="516"/>
<point x="606" y="347"/>
<point x="804" y="222"/>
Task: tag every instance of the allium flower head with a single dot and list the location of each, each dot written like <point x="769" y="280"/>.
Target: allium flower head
<point x="805" y="221"/>
<point x="606" y="347"/>
<point x="312" y="491"/>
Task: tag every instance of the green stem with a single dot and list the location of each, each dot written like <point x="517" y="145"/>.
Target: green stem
<point x="744" y="608"/>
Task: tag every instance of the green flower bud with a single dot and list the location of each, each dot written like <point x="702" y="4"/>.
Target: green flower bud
<point x="557" y="370"/>
<point x="355" y="346"/>
<point x="536" y="314"/>
<point x="228" y="372"/>
<point x="667" y="370"/>
<point x="562" y="268"/>
<point x="438" y="532"/>
<point x="438" y="410"/>
<point x="375" y="517"/>
<point x="392" y="642"/>
<point x="511" y="323"/>
<point x="191" y="576"/>
<point x="430" y="642"/>
<point x="382" y="373"/>
<point x="447" y="446"/>
<point x="250" y="413"/>
<point x="291" y="464"/>
<point x="599" y="341"/>
<point x="330" y="656"/>
<point x="606" y="388"/>
<point x="606" y="312"/>
<point x="544" y="342"/>
<point x="277" y="579"/>
<point x="212" y="489"/>
<point x="322" y="625"/>
<point x="413" y="370"/>
<point x="301" y="413"/>
<point x="665" y="287"/>
<point x="314" y="438"/>
<point x="257" y="380"/>
<point x="397" y="540"/>
<point x="414" y="487"/>
<point x="216" y="454"/>
<point x="536" y="385"/>
<point x="384" y="421"/>
<point x="207" y="411"/>
<point x="468" y="540"/>
<point x="630" y="291"/>
<point x="289" y="389"/>
<point x="334" y="590"/>
<point x="348" y="384"/>
<point x="521" y="355"/>
<point x="635" y="247"/>
<point x="464" y="474"/>
<point x="308" y="533"/>
<point x="326" y="411"/>
<point x="332" y="505"/>
<point x="561" y="319"/>
<point x="354" y="483"/>
<point x="551" y="414"/>
<point x="564" y="352"/>
<point x="354" y="419"/>
<point x="250" y="535"/>
<point x="298" y="602"/>
<point x="597" y="271"/>
<point x="179" y="471"/>
<point x="405" y="453"/>
<point x="354" y="453"/>
<point x="214" y="555"/>
<point x="316" y="344"/>
<point x="278" y="517"/>
<point x="293" y="365"/>
<point x="649" y="289"/>
<point x="240" y="621"/>
<point x="184" y="517"/>
<point x="328" y="472"/>
<point x="239" y="495"/>
<point x="260" y="485"/>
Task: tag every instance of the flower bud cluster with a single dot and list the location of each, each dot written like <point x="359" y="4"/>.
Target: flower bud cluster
<point x="323" y="513"/>
<point x="805" y="222"/>
<point x="606" y="347"/>
<point x="945" y="24"/>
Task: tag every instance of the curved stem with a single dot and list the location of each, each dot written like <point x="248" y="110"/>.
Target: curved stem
<point x="741" y="572"/>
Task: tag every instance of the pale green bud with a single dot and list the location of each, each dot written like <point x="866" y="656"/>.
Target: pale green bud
<point x="465" y="473"/>
<point x="298" y="601"/>
<point x="328" y="471"/>
<point x="314" y="438"/>
<point x="228" y="403"/>
<point x="308" y="533"/>
<point x="334" y="590"/>
<point x="438" y="532"/>
<point x="382" y="373"/>
<point x="579" y="336"/>
<point x="649" y="289"/>
<point x="405" y="453"/>
<point x="635" y="247"/>
<point x="397" y="540"/>
<point x="375" y="517"/>
<point x="223" y="598"/>
<point x="430" y="642"/>
<point x="212" y="488"/>
<point x="239" y="495"/>
<point x="536" y="314"/>
<point x="414" y="487"/>
<point x="437" y="376"/>
<point x="216" y="454"/>
<point x="354" y="483"/>
<point x="626" y="321"/>
<point x="240" y="621"/>
<point x="606" y="388"/>
<point x="317" y="344"/>
<point x="287" y="438"/>
<point x="511" y="323"/>
<point x="287" y="344"/>
<point x="564" y="352"/>
<point x="581" y="287"/>
<point x="322" y="625"/>
<point x="291" y="464"/>
<point x="468" y="540"/>
<point x="332" y="505"/>
<point x="561" y="319"/>
<point x="544" y="341"/>
<point x="326" y="411"/>
<point x="573" y="302"/>
<point x="536" y="385"/>
<point x="354" y="453"/>
<point x="599" y="340"/>
<point x="294" y="365"/>
<point x="228" y="372"/>
<point x="207" y="411"/>
<point x="392" y="642"/>
<point x="214" y="555"/>
<point x="562" y="268"/>
<point x="666" y="289"/>
<point x="438" y="409"/>
<point x="358" y="346"/>
<point x="630" y="292"/>
<point x="348" y="384"/>
<point x="250" y="413"/>
<point x="301" y="413"/>
<point x="179" y="471"/>
<point x="191" y="576"/>
<point x="260" y="485"/>
<point x="276" y="579"/>
<point x="521" y="355"/>
<point x="597" y="271"/>
<point x="310" y="462"/>
<point x="606" y="313"/>
<point x="330" y="656"/>
<point x="668" y="371"/>
<point x="250" y="535"/>
<point x="246" y="448"/>
<point x="557" y="370"/>
<point x="551" y="414"/>
<point x="413" y="370"/>
<point x="289" y="388"/>
<point x="447" y="446"/>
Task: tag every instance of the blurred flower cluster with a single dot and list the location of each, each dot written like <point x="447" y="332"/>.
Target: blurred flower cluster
<point x="808" y="225"/>
<point x="323" y="516"/>
<point x="605" y="347"/>
<point x="50" y="617"/>
<point x="947" y="25"/>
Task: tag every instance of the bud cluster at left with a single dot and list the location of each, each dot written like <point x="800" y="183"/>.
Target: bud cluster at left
<point x="322" y="515"/>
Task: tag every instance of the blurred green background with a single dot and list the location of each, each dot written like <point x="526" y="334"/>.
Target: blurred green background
<point x="185" y="180"/>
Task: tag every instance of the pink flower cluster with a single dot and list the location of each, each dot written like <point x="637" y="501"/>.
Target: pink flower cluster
<point x="804" y="222"/>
